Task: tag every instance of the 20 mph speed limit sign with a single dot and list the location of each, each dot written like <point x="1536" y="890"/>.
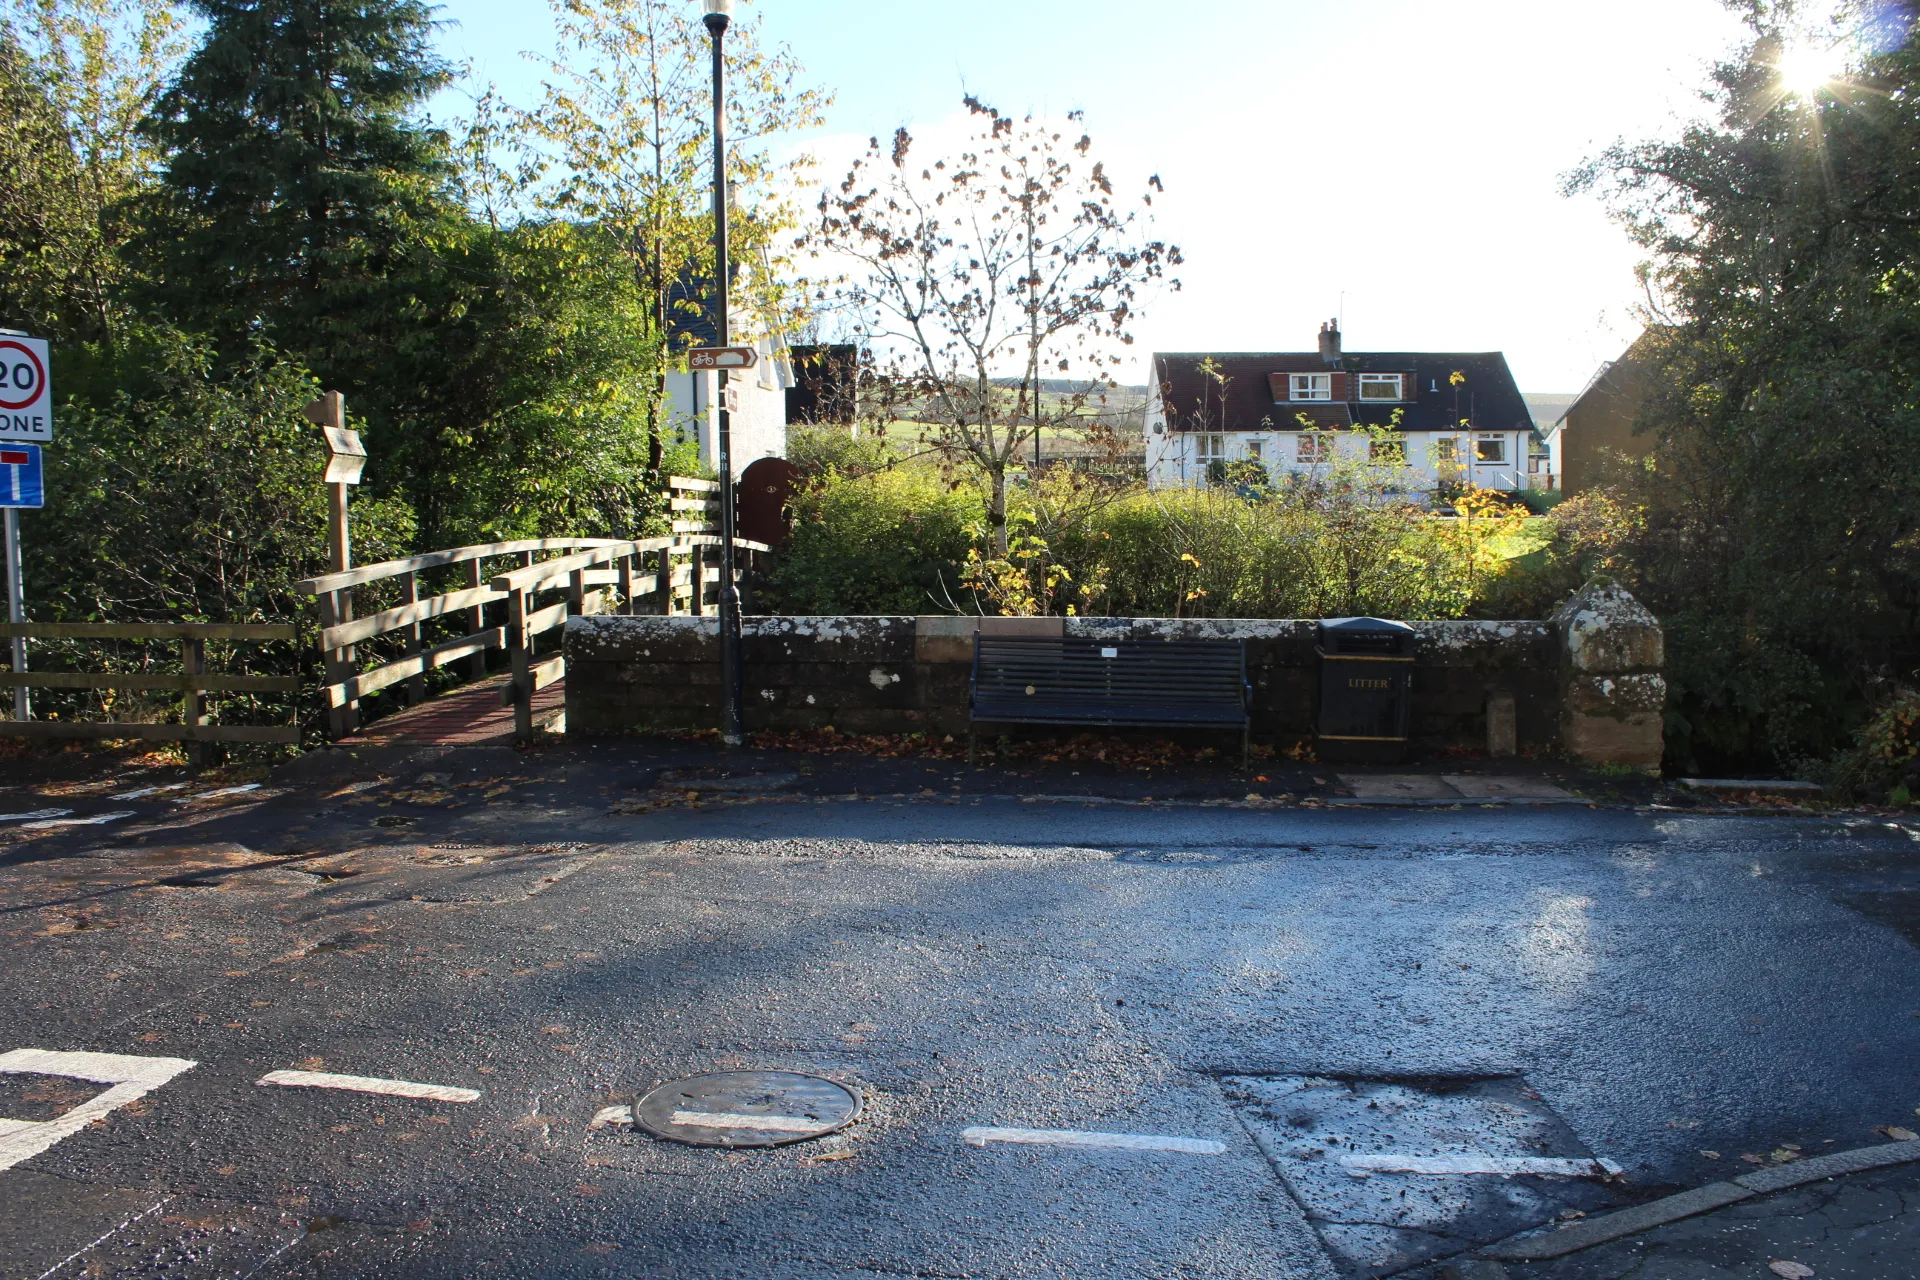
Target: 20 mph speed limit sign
<point x="26" y="394"/>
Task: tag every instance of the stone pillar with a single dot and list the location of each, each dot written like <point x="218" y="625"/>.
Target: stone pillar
<point x="1614" y="700"/>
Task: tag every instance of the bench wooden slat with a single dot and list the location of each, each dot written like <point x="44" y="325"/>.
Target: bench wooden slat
<point x="1071" y="681"/>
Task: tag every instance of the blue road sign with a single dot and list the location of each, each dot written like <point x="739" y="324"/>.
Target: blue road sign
<point x="20" y="482"/>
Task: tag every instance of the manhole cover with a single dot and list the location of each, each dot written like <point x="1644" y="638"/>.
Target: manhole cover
<point x="746" y="1109"/>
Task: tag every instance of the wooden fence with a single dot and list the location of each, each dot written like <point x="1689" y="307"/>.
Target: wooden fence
<point x="193" y="684"/>
<point x="677" y="574"/>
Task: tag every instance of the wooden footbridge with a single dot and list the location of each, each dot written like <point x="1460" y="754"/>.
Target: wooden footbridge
<point x="489" y="616"/>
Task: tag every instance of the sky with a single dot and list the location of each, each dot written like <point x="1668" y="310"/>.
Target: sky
<point x="1396" y="163"/>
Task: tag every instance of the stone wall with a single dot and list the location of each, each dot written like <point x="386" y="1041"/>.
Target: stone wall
<point x="903" y="675"/>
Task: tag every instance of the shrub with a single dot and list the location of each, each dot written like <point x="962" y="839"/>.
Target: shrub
<point x="892" y="542"/>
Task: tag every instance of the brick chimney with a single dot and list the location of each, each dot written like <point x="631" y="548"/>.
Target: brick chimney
<point x="1330" y="342"/>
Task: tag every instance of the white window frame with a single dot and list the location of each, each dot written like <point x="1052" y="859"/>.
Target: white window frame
<point x="1256" y="450"/>
<point x="1313" y="447"/>
<point x="1480" y="444"/>
<point x="1396" y="381"/>
<point x="1209" y="446"/>
<point x="1309" y="386"/>
<point x="1446" y="451"/>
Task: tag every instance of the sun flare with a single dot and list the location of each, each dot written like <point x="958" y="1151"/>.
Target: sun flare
<point x="1807" y="68"/>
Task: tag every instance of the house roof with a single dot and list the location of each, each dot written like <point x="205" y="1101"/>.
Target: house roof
<point x="1192" y="400"/>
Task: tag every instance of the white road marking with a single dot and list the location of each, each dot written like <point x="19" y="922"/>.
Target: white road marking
<point x="139" y="792"/>
<point x="980" y="1136"/>
<point x="1587" y="1167"/>
<point x="369" y="1084"/>
<point x="610" y="1115"/>
<point x="223" y="791"/>
<point x="130" y="1077"/>
<point x="157" y="1205"/>
<point x="92" y="821"/>
<point x="733" y="1120"/>
<point x="37" y="813"/>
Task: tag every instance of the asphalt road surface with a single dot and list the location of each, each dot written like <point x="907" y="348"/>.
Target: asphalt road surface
<point x="1302" y="997"/>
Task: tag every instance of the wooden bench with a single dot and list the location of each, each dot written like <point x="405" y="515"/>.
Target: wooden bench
<point x="1165" y="684"/>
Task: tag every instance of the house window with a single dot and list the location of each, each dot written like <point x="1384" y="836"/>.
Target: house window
<point x="1255" y="448"/>
<point x="1379" y="386"/>
<point x="1313" y="446"/>
<point x="1490" y="449"/>
<point x="1210" y="448"/>
<point x="1388" y="451"/>
<point x="1311" y="386"/>
<point x="1446" y="451"/>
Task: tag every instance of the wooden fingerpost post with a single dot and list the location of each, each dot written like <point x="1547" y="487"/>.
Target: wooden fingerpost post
<point x="346" y="459"/>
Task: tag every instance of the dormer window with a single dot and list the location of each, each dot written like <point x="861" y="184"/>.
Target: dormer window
<point x="1380" y="386"/>
<point x="1311" y="386"/>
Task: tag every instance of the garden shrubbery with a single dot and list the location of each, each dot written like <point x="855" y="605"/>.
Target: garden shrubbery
<point x="880" y="532"/>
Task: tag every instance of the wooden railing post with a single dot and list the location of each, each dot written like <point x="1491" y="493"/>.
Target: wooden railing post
<point x="194" y="708"/>
<point x="518" y="642"/>
<point x="410" y="594"/>
<point x="625" y="585"/>
<point x="476" y="622"/>
<point x="663" y="584"/>
<point x="696" y="563"/>
<point x="343" y="719"/>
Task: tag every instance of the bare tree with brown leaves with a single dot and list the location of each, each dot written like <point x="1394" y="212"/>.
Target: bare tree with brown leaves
<point x="979" y="276"/>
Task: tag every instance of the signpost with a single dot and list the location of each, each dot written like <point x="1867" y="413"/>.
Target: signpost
<point x="26" y="414"/>
<point x="26" y="392"/>
<point x="721" y="358"/>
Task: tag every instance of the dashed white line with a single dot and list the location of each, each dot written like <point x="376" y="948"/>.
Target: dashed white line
<point x="223" y="791"/>
<point x="130" y="1077"/>
<point x="734" y="1120"/>
<point x="369" y="1084"/>
<point x="981" y="1135"/>
<point x="37" y="813"/>
<point x="1585" y="1167"/>
<point x="140" y="792"/>
<point x="92" y="820"/>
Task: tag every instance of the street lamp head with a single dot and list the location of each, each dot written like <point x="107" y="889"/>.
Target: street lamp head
<point x="719" y="14"/>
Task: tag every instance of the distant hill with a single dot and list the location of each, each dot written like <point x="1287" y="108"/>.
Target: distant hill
<point x="1547" y="406"/>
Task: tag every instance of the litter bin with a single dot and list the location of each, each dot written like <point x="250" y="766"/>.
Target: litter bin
<point x="1366" y="690"/>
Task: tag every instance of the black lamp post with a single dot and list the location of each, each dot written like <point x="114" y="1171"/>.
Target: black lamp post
<point x="719" y="15"/>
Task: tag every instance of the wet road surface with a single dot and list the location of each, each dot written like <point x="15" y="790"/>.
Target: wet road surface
<point x="1306" y="997"/>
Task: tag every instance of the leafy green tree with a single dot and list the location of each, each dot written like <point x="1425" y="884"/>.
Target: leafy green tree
<point x="1782" y="543"/>
<point x="76" y="77"/>
<point x="623" y="140"/>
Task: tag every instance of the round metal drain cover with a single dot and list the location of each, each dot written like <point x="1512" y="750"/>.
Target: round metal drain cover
<point x="746" y="1109"/>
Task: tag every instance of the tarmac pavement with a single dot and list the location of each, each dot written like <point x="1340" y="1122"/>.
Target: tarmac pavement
<point x="1377" y="1038"/>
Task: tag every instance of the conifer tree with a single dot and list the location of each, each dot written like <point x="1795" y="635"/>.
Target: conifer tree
<point x="297" y="167"/>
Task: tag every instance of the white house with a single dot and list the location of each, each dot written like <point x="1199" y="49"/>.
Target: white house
<point x="1458" y="416"/>
<point x="759" y="421"/>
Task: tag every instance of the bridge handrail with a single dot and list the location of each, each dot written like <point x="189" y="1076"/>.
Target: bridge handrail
<point x="437" y="559"/>
<point x="549" y="572"/>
